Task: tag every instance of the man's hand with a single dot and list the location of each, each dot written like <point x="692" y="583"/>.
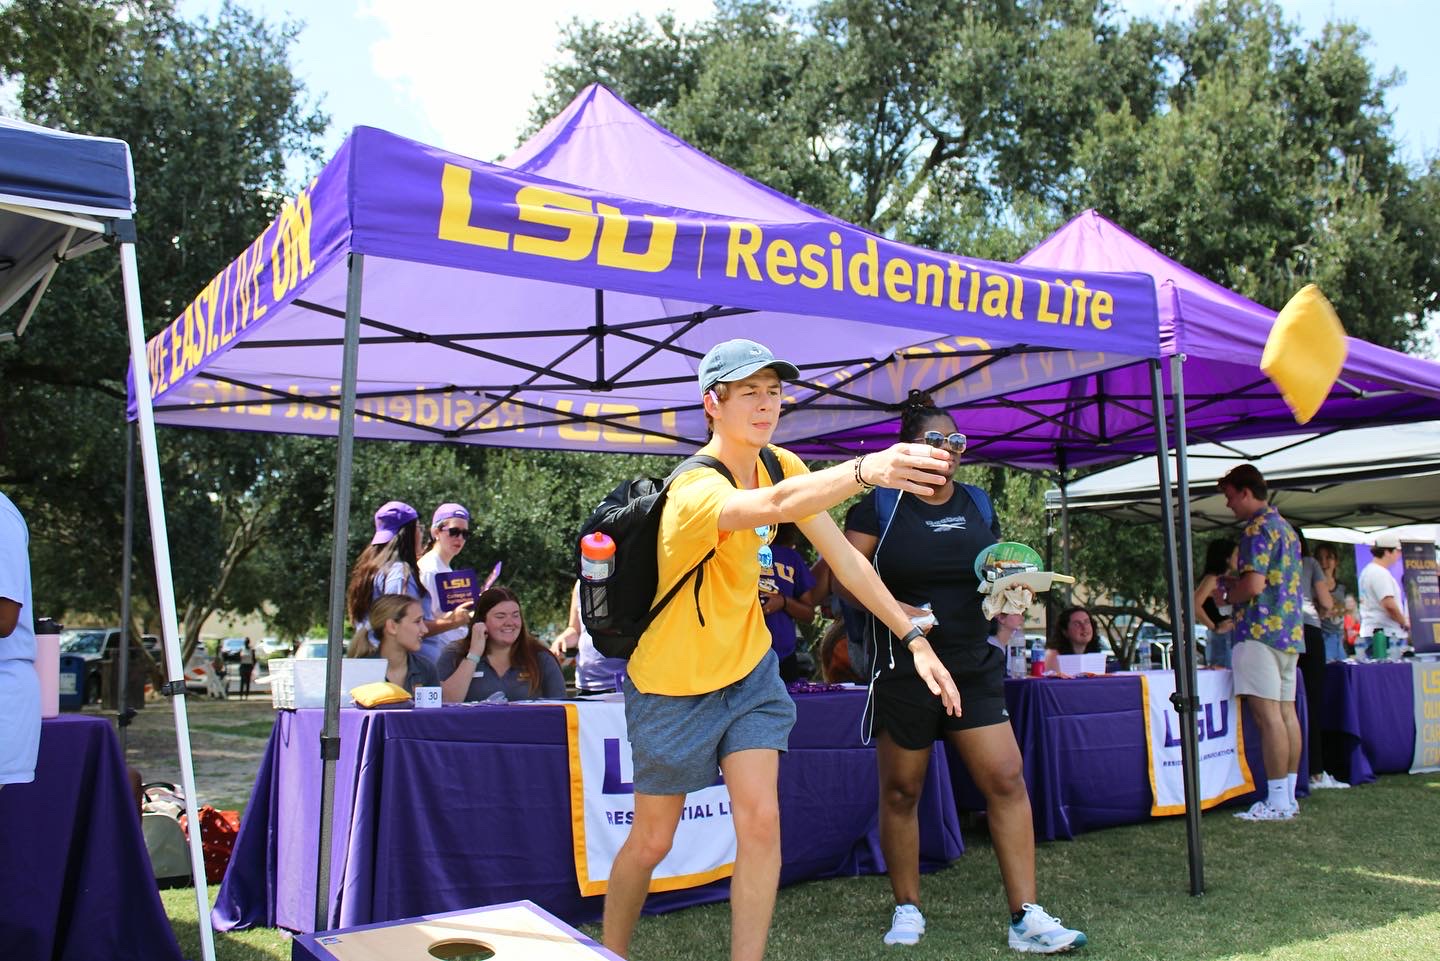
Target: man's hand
<point x="917" y="468"/>
<point x="933" y="673"/>
<point x="772" y="601"/>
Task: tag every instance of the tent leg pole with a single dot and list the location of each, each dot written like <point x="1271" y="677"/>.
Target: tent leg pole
<point x="1064" y="517"/>
<point x="1188" y="743"/>
<point x="1186" y="683"/>
<point x="127" y="541"/>
<point x="340" y="548"/>
<point x="164" y="583"/>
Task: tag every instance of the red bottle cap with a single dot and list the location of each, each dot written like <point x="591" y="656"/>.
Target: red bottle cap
<point x="597" y="546"/>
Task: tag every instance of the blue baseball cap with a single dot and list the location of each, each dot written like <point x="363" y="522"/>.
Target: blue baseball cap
<point x="738" y="359"/>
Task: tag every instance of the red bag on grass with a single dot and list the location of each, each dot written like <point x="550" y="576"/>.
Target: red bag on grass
<point x="217" y="839"/>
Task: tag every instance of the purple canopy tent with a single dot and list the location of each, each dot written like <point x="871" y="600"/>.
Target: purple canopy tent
<point x="508" y="308"/>
<point x="1102" y="416"/>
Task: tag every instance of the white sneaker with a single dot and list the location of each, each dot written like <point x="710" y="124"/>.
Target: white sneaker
<point x="1262" y="811"/>
<point x="907" y="926"/>
<point x="1040" y="933"/>
<point x="1327" y="780"/>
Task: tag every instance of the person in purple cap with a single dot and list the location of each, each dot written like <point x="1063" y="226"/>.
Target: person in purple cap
<point x="703" y="692"/>
<point x="388" y="564"/>
<point x="449" y="530"/>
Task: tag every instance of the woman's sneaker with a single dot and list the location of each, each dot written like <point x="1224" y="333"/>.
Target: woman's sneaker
<point x="1039" y="933"/>
<point x="907" y="926"/>
<point x="1326" y="780"/>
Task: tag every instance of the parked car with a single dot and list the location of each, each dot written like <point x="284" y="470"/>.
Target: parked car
<point x="274" y="647"/>
<point x="311" y="647"/>
<point x="98" y="645"/>
<point x="231" y="647"/>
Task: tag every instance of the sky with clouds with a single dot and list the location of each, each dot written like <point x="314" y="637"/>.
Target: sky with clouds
<point x="464" y="74"/>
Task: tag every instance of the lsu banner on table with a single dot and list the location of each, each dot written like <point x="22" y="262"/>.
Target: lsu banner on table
<point x="1427" y="717"/>
<point x="1223" y="771"/>
<point x="602" y="805"/>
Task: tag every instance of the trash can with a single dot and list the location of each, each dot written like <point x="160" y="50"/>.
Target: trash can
<point x="72" y="682"/>
<point x="110" y="684"/>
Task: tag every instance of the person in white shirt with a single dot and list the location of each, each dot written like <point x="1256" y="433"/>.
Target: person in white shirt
<point x="449" y="529"/>
<point x="1380" y="594"/>
<point x="19" y="684"/>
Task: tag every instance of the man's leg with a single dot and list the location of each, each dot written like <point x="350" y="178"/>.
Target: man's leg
<point x="651" y="833"/>
<point x="1291" y="719"/>
<point x="752" y="778"/>
<point x="1274" y="736"/>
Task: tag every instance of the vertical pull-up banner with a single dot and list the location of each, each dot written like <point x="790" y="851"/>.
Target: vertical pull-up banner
<point x="1427" y="716"/>
<point x="1223" y="771"/>
<point x="602" y="806"/>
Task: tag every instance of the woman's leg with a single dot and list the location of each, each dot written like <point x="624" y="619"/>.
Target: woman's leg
<point x="902" y="777"/>
<point x="993" y="759"/>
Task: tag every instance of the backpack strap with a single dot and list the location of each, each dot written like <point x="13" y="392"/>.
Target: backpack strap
<point x="772" y="468"/>
<point x="982" y="502"/>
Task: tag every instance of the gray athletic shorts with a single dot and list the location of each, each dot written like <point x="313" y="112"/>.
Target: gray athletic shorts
<point x="676" y="743"/>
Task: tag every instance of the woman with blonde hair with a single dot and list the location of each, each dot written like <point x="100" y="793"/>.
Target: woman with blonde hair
<point x="499" y="656"/>
<point x="395" y="628"/>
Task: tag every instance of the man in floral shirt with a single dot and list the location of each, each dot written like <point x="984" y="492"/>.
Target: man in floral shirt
<point x="1269" y="634"/>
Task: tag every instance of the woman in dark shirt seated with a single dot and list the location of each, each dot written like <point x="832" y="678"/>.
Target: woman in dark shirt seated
<point x="1074" y="633"/>
<point x="396" y="625"/>
<point x="499" y="656"/>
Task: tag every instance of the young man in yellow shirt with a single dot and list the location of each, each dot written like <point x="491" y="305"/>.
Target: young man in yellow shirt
<point x="701" y="696"/>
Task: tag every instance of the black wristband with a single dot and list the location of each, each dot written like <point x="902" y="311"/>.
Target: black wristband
<point x="914" y="633"/>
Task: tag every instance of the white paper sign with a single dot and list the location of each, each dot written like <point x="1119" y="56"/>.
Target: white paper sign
<point x="427" y="697"/>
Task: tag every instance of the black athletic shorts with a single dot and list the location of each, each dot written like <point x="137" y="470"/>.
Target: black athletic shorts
<point x="915" y="718"/>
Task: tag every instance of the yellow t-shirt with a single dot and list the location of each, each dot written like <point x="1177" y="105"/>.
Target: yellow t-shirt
<point x="676" y="656"/>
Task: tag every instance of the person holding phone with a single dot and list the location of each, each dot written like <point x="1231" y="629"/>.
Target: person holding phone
<point x="925" y="552"/>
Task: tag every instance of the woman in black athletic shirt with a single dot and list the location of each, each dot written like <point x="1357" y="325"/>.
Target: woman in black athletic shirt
<point x="924" y="548"/>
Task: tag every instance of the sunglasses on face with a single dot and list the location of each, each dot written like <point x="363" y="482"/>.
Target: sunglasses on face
<point x="460" y="532"/>
<point x="956" y="441"/>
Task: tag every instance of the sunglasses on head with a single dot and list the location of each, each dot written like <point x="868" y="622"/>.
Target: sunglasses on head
<point x="460" y="532"/>
<point x="955" y="441"/>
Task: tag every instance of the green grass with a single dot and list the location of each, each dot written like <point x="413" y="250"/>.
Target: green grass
<point x="259" y="729"/>
<point x="1357" y="877"/>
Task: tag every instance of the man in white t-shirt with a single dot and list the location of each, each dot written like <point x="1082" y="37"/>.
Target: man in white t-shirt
<point x="1380" y="594"/>
<point x="19" y="684"/>
<point x="450" y="529"/>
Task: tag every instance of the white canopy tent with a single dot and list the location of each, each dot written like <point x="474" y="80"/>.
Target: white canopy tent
<point x="1367" y="479"/>
<point x="62" y="195"/>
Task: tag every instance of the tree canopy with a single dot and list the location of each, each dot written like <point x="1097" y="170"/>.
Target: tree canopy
<point x="1255" y="156"/>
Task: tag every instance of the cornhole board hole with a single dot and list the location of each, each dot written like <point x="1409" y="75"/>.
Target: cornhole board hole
<point x="518" y="931"/>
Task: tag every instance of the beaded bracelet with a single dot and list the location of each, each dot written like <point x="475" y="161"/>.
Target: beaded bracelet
<point x="864" y="487"/>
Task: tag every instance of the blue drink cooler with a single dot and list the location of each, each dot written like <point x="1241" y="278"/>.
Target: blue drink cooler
<point x="72" y="682"/>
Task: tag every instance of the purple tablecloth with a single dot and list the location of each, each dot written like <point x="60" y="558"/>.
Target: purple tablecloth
<point x="75" y="880"/>
<point x="1369" y="719"/>
<point x="447" y="809"/>
<point x="1083" y="743"/>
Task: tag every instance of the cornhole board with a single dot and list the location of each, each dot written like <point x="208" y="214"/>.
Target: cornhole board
<point x="517" y="931"/>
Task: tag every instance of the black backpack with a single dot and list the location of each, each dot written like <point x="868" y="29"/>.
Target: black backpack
<point x="617" y="610"/>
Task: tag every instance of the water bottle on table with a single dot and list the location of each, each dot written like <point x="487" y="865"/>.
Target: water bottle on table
<point x="1379" y="646"/>
<point x="1142" y="653"/>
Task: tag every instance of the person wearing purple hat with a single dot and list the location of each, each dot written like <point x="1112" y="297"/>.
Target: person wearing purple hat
<point x="388" y="564"/>
<point x="704" y="691"/>
<point x="449" y="531"/>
